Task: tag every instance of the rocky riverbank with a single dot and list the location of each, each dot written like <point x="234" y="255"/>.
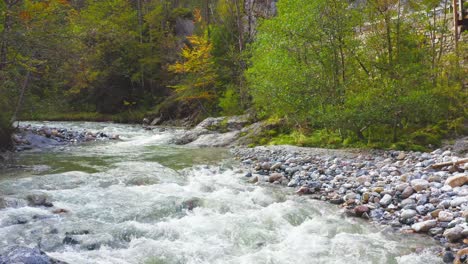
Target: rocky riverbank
<point x="31" y="137"/>
<point x="412" y="192"/>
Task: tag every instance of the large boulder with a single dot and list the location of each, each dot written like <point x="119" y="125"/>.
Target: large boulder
<point x="454" y="234"/>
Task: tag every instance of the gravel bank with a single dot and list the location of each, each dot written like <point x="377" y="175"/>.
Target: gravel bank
<point x="30" y="137"/>
<point x="395" y="188"/>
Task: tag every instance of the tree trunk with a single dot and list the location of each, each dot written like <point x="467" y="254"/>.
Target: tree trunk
<point x="21" y="97"/>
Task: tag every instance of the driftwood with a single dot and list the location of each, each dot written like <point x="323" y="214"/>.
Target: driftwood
<point x="451" y="163"/>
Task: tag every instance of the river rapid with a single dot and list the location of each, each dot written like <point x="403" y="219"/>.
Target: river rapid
<point x="144" y="200"/>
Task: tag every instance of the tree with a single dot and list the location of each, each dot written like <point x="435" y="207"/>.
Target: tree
<point x="198" y="83"/>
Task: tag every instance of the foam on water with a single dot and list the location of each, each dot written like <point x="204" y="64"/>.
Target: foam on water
<point x="133" y="210"/>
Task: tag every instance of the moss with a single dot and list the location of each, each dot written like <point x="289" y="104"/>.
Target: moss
<point x="221" y="127"/>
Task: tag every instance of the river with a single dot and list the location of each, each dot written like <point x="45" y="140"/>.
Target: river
<point x="143" y="200"/>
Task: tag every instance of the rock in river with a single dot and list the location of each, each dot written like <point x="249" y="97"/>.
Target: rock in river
<point x="39" y="199"/>
<point x="275" y="177"/>
<point x="25" y="255"/>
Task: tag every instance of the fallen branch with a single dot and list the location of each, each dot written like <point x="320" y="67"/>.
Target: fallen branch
<point x="451" y="163"/>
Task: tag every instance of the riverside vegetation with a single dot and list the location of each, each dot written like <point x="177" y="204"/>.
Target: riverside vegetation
<point x="382" y="74"/>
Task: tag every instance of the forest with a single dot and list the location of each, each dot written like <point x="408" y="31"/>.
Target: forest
<point x="328" y="73"/>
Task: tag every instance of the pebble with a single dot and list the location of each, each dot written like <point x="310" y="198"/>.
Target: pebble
<point x="445" y="216"/>
<point x="386" y="200"/>
<point x="458" y="201"/>
<point x="407" y="192"/>
<point x="408" y="213"/>
<point x="275" y="177"/>
<point x="424" y="226"/>
<point x="453" y="234"/>
<point x="419" y="184"/>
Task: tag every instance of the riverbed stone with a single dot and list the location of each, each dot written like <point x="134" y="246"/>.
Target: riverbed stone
<point x="457" y="180"/>
<point x="276" y="166"/>
<point x="361" y="209"/>
<point x="453" y="234"/>
<point x="445" y="216"/>
<point x="458" y="201"/>
<point x="386" y="200"/>
<point x="39" y="199"/>
<point x="407" y="213"/>
<point x="407" y="192"/>
<point x="25" y="255"/>
<point x="424" y="226"/>
<point x="419" y="184"/>
<point x="275" y="177"/>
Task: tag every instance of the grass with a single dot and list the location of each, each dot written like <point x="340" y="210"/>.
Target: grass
<point x="124" y="117"/>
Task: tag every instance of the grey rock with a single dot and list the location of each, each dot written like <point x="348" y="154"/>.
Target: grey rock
<point x="386" y="200"/>
<point x="276" y="166"/>
<point x="408" y="213"/>
<point x="39" y="199"/>
<point x="448" y="257"/>
<point x="25" y="255"/>
<point x="435" y="231"/>
<point x="419" y="184"/>
<point x="408" y="202"/>
<point x="458" y="201"/>
<point x="377" y="213"/>
<point x="407" y="192"/>
<point x="445" y="216"/>
<point x="424" y="226"/>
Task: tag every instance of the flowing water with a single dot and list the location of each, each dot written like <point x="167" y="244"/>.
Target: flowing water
<point x="142" y="200"/>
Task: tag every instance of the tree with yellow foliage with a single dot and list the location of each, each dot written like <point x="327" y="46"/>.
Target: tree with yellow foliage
<point x="198" y="73"/>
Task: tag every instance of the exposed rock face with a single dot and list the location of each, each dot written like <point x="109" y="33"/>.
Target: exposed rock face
<point x="214" y="132"/>
<point x="256" y="9"/>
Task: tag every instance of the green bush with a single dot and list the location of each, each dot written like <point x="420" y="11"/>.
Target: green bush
<point x="6" y="131"/>
<point x="230" y="102"/>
